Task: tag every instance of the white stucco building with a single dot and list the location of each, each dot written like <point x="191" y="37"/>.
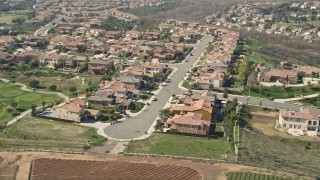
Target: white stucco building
<point x="305" y="121"/>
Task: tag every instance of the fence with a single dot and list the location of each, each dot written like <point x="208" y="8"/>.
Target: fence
<point x="39" y="150"/>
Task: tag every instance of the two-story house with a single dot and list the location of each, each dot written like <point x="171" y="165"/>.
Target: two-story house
<point x="190" y="123"/>
<point x="100" y="66"/>
<point x="305" y="121"/>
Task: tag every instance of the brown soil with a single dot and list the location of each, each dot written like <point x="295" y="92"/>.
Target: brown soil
<point x="208" y="171"/>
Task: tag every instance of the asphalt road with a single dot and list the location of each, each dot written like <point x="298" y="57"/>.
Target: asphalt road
<point x="264" y="102"/>
<point x="138" y="125"/>
<point x="43" y="31"/>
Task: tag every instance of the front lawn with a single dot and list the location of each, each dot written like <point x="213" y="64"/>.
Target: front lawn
<point x="187" y="85"/>
<point x="14" y="101"/>
<point x="146" y="96"/>
<point x="178" y="145"/>
<point x="136" y="107"/>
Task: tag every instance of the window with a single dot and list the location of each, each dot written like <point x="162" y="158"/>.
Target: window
<point x="309" y="122"/>
<point x="284" y="125"/>
<point x="295" y="126"/>
<point x="298" y="120"/>
<point x="299" y="126"/>
<point x="314" y="123"/>
<point x="290" y="126"/>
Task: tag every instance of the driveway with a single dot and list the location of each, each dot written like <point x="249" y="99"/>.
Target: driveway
<point x="138" y="126"/>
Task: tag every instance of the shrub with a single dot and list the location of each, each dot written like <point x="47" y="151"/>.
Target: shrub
<point x="34" y="83"/>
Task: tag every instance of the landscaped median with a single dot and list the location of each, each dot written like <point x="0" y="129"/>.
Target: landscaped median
<point x="177" y="145"/>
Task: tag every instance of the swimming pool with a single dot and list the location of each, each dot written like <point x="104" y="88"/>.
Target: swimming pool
<point x="46" y="114"/>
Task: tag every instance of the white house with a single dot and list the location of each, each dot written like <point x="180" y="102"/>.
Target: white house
<point x="152" y="68"/>
<point x="73" y="111"/>
<point x="305" y="121"/>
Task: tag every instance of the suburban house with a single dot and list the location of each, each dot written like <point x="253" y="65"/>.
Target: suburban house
<point x="100" y="66"/>
<point x="114" y="93"/>
<point x="152" y="68"/>
<point x="49" y="60"/>
<point x="132" y="76"/>
<point x="203" y="106"/>
<point x="302" y="122"/>
<point x="76" y="46"/>
<point x="281" y="75"/>
<point x="208" y="80"/>
<point x="73" y="111"/>
<point x="190" y="123"/>
<point x="133" y="35"/>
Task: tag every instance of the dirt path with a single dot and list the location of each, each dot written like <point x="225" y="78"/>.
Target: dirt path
<point x="208" y="171"/>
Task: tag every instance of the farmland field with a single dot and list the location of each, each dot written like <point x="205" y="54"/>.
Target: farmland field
<point x="88" y="169"/>
<point x="255" y="176"/>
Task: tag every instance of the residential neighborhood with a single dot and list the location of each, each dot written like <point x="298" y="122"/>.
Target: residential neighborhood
<point x="159" y="89"/>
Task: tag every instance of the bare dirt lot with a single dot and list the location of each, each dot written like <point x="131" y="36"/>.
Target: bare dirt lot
<point x="23" y="160"/>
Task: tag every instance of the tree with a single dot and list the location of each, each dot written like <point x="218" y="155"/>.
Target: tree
<point x="53" y="88"/>
<point x="165" y="113"/>
<point x="211" y="87"/>
<point x="84" y="65"/>
<point x="309" y="83"/>
<point x="14" y="105"/>
<point x="33" y="110"/>
<point x="34" y="83"/>
<point x="73" y="89"/>
<point x="43" y="105"/>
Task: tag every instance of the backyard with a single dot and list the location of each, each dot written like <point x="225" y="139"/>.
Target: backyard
<point x="45" y="132"/>
<point x="167" y="144"/>
<point x="278" y="92"/>
<point x="14" y="101"/>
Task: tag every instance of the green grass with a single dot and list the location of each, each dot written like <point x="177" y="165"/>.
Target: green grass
<point x="253" y="45"/>
<point x="136" y="107"/>
<point x="6" y="19"/>
<point x="45" y="130"/>
<point x="10" y="94"/>
<point x="146" y="96"/>
<point x="47" y="78"/>
<point x="280" y="153"/>
<point x="167" y="144"/>
<point x="311" y="102"/>
<point x="255" y="176"/>
<point x="187" y="85"/>
<point x="278" y="92"/>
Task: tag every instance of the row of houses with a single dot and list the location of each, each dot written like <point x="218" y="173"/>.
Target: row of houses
<point x="211" y="72"/>
<point x="251" y="17"/>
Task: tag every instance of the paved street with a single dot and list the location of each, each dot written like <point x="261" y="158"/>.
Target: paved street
<point x="138" y="125"/>
<point x="43" y="31"/>
<point x="264" y="102"/>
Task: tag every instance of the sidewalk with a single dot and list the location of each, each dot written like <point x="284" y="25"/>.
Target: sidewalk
<point x="297" y="98"/>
